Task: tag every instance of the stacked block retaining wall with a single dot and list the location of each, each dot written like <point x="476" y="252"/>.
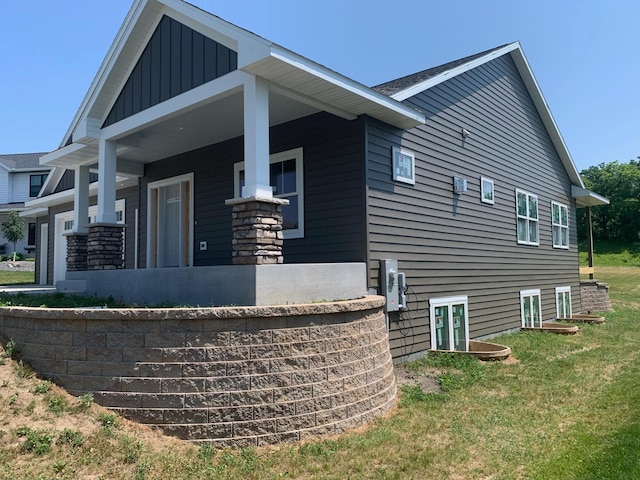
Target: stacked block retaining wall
<point x="239" y="376"/>
<point x="595" y="296"/>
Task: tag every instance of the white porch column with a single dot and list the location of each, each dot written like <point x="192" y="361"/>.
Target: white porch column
<point x="256" y="139"/>
<point x="81" y="199"/>
<point x="106" y="182"/>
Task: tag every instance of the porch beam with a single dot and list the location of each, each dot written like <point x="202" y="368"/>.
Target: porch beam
<point x="256" y="139"/>
<point x="107" y="163"/>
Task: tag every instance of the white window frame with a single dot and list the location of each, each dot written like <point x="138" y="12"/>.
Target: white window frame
<point x="401" y="158"/>
<point x="449" y="302"/>
<point x="566" y="297"/>
<point x="294" y="154"/>
<point x="151" y="221"/>
<point x="559" y="227"/>
<point x="483" y="192"/>
<point x="531" y="294"/>
<point x="528" y="219"/>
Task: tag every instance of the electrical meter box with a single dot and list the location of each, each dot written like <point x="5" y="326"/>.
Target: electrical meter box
<point x="392" y="285"/>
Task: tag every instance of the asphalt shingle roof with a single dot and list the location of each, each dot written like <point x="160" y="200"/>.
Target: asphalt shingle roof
<point x="400" y="84"/>
<point x="22" y="160"/>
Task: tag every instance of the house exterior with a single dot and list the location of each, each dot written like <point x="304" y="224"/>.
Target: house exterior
<point x="232" y="165"/>
<point x="21" y="178"/>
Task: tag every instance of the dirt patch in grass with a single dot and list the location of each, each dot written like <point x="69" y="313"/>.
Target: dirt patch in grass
<point x="427" y="381"/>
<point x="32" y="407"/>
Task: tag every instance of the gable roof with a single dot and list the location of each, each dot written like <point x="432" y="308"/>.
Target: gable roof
<point x="16" y="162"/>
<point x="406" y="87"/>
<point x="286" y="70"/>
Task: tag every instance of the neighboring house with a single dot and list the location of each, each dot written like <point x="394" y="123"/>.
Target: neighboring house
<point x="21" y="178"/>
<point x="458" y="173"/>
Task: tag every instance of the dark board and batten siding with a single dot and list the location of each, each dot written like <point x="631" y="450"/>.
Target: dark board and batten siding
<point x="176" y="59"/>
<point x="451" y="245"/>
<point x="68" y="180"/>
<point x="333" y="191"/>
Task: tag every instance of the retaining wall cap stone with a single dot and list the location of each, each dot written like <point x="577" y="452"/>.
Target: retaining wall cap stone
<point x="364" y="303"/>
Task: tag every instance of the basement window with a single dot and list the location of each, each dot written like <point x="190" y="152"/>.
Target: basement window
<point x="449" y="322"/>
<point x="530" y="309"/>
<point x="563" y="302"/>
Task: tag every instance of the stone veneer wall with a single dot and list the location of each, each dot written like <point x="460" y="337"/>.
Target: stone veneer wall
<point x="77" y="252"/>
<point x="243" y="376"/>
<point x="105" y="246"/>
<point x="594" y="296"/>
<point x="257" y="231"/>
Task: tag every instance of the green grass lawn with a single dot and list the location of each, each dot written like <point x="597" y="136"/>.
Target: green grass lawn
<point x="608" y="253"/>
<point x="10" y="277"/>
<point x="564" y="407"/>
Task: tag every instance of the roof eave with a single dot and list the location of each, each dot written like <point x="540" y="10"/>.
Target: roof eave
<point x="294" y="72"/>
<point x="587" y="198"/>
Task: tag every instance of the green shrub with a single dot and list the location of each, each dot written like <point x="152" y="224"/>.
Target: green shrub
<point x="108" y="421"/>
<point x="57" y="404"/>
<point x="85" y="401"/>
<point x="38" y="442"/>
<point x="11" y="348"/>
<point x="23" y="371"/>
<point x="42" y="388"/>
<point x="74" y="438"/>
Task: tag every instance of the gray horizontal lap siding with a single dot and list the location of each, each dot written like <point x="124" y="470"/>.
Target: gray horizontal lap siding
<point x="451" y="245"/>
<point x="333" y="191"/>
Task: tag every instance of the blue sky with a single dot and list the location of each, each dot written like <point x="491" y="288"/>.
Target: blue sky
<point x="585" y="55"/>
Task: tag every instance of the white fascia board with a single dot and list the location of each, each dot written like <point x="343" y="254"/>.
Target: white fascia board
<point x="34" y="212"/>
<point x="27" y="170"/>
<point x="545" y="114"/>
<point x="50" y="159"/>
<point x="87" y="131"/>
<point x="55" y="174"/>
<point x="98" y="81"/>
<point x="215" y="28"/>
<point x="433" y="81"/>
<point x="189" y="100"/>
<point x="59" y="198"/>
<point x="346" y="83"/>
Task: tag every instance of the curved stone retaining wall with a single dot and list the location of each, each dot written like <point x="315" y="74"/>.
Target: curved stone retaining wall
<point x="233" y="376"/>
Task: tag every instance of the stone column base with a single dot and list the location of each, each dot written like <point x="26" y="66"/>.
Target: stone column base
<point x="257" y="230"/>
<point x="104" y="246"/>
<point x="76" y="252"/>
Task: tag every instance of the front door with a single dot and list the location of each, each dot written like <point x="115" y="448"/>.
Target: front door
<point x="170" y="220"/>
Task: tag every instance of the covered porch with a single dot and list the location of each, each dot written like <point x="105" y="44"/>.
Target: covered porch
<point x="220" y="83"/>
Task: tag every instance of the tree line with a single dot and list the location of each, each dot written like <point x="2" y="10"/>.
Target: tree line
<point x="620" y="183"/>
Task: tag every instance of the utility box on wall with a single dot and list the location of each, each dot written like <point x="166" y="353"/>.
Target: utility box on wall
<point x="392" y="284"/>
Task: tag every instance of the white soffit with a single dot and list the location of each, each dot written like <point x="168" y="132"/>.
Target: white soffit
<point x="296" y="73"/>
<point x="587" y="198"/>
